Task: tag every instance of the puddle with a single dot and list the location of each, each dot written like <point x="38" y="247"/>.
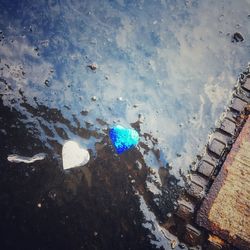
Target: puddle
<point x="69" y="70"/>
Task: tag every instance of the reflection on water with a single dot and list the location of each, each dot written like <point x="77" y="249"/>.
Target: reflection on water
<point x="166" y="68"/>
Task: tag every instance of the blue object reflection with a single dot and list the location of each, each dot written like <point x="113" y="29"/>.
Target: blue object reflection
<point x="123" y="138"/>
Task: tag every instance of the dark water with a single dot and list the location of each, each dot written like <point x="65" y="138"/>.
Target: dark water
<point x="165" y="68"/>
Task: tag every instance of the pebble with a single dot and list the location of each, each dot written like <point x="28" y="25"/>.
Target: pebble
<point x="92" y="66"/>
<point x="237" y="37"/>
<point x="94" y="98"/>
<point x="173" y="244"/>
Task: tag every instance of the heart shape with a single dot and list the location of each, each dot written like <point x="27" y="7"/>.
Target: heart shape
<point x="74" y="156"/>
<point x="123" y="138"/>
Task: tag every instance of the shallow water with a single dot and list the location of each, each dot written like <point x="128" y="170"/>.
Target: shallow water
<point x="166" y="68"/>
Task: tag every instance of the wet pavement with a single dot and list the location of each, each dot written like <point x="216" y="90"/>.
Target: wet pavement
<point x="94" y="207"/>
<point x="70" y="70"/>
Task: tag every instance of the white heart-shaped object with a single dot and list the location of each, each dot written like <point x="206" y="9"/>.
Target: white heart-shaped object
<point x="73" y="155"/>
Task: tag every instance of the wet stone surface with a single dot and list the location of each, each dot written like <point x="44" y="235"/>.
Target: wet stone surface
<point x="247" y="84"/>
<point x="225" y="210"/>
<point x="208" y="175"/>
<point x="206" y="168"/>
<point x="228" y="126"/>
<point x="238" y="104"/>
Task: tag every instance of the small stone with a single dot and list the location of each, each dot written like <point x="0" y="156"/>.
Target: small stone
<point x="94" y="98"/>
<point x="46" y="83"/>
<point x="84" y="112"/>
<point x="92" y="66"/>
<point x="169" y="215"/>
<point x="39" y="205"/>
<point x="173" y="244"/>
<point x="95" y="233"/>
<point x="182" y="245"/>
<point x="221" y="17"/>
<point x="237" y="37"/>
<point x="52" y="195"/>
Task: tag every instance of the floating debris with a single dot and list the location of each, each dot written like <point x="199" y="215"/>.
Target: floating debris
<point x="173" y="244"/>
<point x="123" y="138"/>
<point x="93" y="98"/>
<point x="18" y="158"/>
<point x="73" y="155"/>
<point x="84" y="112"/>
<point x="92" y="66"/>
<point x="46" y="82"/>
<point x="237" y="37"/>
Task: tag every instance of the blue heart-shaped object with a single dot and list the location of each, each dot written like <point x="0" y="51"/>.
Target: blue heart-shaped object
<point x="123" y="138"/>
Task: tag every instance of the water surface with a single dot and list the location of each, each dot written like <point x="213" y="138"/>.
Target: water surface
<point x="166" y="68"/>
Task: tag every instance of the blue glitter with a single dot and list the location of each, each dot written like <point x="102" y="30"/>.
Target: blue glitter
<point x="123" y="138"/>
